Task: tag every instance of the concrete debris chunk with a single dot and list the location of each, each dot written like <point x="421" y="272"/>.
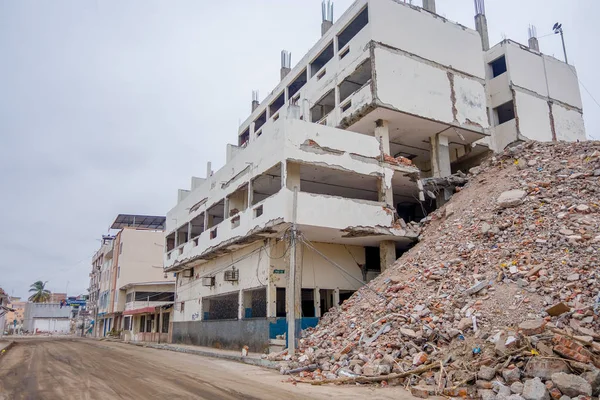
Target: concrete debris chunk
<point x="558" y="309"/>
<point x="511" y="198"/>
<point x="571" y="385"/>
<point x="534" y="389"/>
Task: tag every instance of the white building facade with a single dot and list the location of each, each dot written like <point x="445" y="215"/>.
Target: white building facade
<point x="389" y="94"/>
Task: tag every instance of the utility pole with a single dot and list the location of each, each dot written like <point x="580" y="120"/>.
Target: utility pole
<point x="557" y="28"/>
<point x="293" y="297"/>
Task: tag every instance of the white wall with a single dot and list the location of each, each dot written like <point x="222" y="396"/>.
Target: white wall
<point x="412" y="86"/>
<point x="534" y="117"/>
<point x="427" y="35"/>
<point x="141" y="258"/>
<point x="526" y="69"/>
<point x="568" y="124"/>
<point x="563" y="82"/>
<point x="52" y="325"/>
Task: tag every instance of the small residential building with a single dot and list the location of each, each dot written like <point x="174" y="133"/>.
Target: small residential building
<point x="57" y="297"/>
<point x="322" y="190"/>
<point x="15" y="318"/>
<point x="52" y="318"/>
<point x="148" y="311"/>
<point x="131" y="256"/>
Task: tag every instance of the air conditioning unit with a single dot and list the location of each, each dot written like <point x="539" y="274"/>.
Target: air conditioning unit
<point x="208" y="281"/>
<point x="188" y="273"/>
<point x="232" y="275"/>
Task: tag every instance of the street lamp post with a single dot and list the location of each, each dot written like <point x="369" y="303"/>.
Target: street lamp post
<point x="557" y="28"/>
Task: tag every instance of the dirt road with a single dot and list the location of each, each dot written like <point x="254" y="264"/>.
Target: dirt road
<point x="86" y="369"/>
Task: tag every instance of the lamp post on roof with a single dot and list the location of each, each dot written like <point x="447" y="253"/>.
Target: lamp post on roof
<point x="557" y="28"/>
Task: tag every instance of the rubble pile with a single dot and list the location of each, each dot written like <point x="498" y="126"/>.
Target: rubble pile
<point x="499" y="299"/>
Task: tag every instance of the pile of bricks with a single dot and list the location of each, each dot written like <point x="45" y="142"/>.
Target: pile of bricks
<point x="505" y="274"/>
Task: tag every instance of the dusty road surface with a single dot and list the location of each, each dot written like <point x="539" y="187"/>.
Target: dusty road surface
<point x="86" y="369"/>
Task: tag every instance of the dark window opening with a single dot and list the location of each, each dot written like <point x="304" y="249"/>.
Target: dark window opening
<point x="197" y="225"/>
<point x="221" y="307"/>
<point x="237" y="201"/>
<point x="244" y="137"/>
<point x="297" y="84"/>
<point x="321" y="59"/>
<point x="321" y="74"/>
<point x="353" y="28"/>
<point x="127" y="323"/>
<point x="498" y="66"/>
<point x="356" y="80"/>
<point x="143" y="323"/>
<point x="277" y="104"/>
<point x="346" y="106"/>
<point x="308" y="303"/>
<point x="165" y="323"/>
<point x="216" y="214"/>
<point x="505" y="112"/>
<point x="129" y="297"/>
<point x="255" y="303"/>
<point x="182" y="234"/>
<point x="280" y="306"/>
<point x="266" y="184"/>
<point x="260" y="121"/>
<point x="149" y="321"/>
<point x="333" y="182"/>
<point x="323" y="106"/>
<point x="258" y="211"/>
<point x="154" y="296"/>
<point x="372" y="260"/>
<point x="326" y="300"/>
<point x="170" y="242"/>
<point x="345" y="295"/>
<point x="344" y="53"/>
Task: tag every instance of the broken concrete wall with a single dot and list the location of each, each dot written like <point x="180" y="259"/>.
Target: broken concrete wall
<point x="534" y="118"/>
<point x="427" y="35"/>
<point x="568" y="124"/>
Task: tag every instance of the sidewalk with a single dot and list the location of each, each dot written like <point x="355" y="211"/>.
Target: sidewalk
<point x="232" y="355"/>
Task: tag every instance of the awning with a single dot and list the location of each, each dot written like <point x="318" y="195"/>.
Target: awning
<point x="140" y="311"/>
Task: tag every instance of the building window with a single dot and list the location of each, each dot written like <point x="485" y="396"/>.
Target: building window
<point x="149" y="321"/>
<point x="498" y="66"/>
<point x="127" y="323"/>
<point x="143" y="323"/>
<point x="129" y="297"/>
<point x="356" y="80"/>
<point x="323" y="107"/>
<point x="353" y="28"/>
<point x="504" y="113"/>
<point x="165" y="323"/>
<point x="321" y="59"/>
<point x="277" y="104"/>
<point x="297" y="85"/>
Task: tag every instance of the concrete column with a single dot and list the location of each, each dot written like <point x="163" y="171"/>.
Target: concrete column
<point x="206" y="220"/>
<point x="189" y="236"/>
<point x="317" y="299"/>
<point x="482" y="28"/>
<point x="271" y="288"/>
<point x="386" y="194"/>
<point x="383" y="135"/>
<point x="241" y="305"/>
<point x="336" y="297"/>
<point x="250" y="193"/>
<point x="292" y="176"/>
<point x="429" y="5"/>
<point x="387" y="254"/>
<point x="440" y="156"/>
<point x="534" y="44"/>
<point x="252" y="132"/>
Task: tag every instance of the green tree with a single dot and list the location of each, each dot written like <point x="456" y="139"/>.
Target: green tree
<point x="40" y="294"/>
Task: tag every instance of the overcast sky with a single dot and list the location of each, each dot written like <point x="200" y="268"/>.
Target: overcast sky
<point x="108" y="107"/>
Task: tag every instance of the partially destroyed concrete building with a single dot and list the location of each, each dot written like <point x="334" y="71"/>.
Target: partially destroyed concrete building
<point x="322" y="191"/>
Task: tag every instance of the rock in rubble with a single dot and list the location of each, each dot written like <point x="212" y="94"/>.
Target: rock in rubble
<point x="511" y="198"/>
<point x="534" y="389"/>
<point x="532" y="327"/>
<point x="544" y="368"/>
<point x="516" y="388"/>
<point x="593" y="378"/>
<point x="486" y="373"/>
<point x="572" y="385"/>
<point x="511" y="375"/>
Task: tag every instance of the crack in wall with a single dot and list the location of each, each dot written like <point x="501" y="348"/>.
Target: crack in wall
<point x="453" y="97"/>
<point x="552" y="125"/>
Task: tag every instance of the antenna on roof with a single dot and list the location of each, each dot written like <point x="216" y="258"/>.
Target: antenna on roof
<point x="479" y="7"/>
<point x="326" y="16"/>
<point x="286" y="64"/>
<point x="481" y="24"/>
<point x="254" y="100"/>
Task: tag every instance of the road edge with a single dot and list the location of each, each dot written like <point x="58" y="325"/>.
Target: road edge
<point x="258" y="362"/>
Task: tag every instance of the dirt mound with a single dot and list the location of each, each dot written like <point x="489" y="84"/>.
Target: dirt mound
<point x="519" y="243"/>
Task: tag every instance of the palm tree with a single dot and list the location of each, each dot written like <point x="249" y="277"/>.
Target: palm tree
<point x="40" y="294"/>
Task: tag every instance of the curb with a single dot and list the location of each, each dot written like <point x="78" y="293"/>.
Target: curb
<point x="259" y="362"/>
<point x="8" y="346"/>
